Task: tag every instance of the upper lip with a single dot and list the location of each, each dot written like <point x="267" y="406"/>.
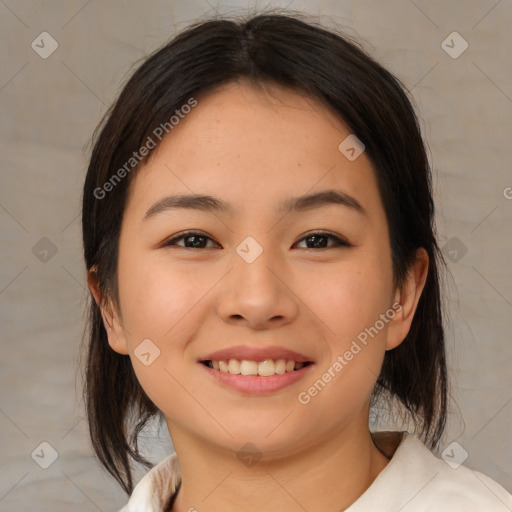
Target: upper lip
<point x="257" y="354"/>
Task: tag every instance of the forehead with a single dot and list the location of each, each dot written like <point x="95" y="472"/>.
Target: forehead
<point x="253" y="147"/>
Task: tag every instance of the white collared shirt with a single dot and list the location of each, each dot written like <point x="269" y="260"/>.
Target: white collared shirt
<point x="414" y="480"/>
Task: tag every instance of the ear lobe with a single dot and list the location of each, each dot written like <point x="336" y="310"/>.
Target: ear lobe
<point x="111" y="321"/>
<point x="408" y="297"/>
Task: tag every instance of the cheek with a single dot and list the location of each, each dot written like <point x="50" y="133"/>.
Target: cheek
<point x="350" y="303"/>
<point x="160" y="297"/>
<point x="350" y="296"/>
<point x="165" y="304"/>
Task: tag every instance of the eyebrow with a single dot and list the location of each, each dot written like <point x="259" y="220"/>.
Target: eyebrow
<point x="292" y="204"/>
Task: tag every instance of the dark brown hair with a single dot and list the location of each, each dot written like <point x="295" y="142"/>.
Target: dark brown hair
<point x="328" y="67"/>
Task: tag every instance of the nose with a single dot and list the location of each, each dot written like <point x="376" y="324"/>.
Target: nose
<point x="258" y="294"/>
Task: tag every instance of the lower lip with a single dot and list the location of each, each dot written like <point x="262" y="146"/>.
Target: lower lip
<point x="256" y="385"/>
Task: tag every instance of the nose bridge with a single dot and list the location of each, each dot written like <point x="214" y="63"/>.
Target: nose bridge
<point x="255" y="292"/>
<point x="252" y="266"/>
<point x="253" y="263"/>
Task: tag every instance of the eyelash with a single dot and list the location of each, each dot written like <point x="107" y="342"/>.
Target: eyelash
<point x="340" y="242"/>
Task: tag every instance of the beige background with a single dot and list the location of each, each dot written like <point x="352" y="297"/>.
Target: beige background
<point x="50" y="107"/>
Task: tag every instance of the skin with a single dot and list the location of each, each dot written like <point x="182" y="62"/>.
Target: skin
<point x="190" y="302"/>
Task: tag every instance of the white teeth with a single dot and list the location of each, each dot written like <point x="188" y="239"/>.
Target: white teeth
<point x="234" y="366"/>
<point x="248" y="367"/>
<point x="265" y="368"/>
<point x="280" y="366"/>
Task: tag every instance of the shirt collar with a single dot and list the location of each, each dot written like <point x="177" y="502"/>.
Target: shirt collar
<point x="156" y="489"/>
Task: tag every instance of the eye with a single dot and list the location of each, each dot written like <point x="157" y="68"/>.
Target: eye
<point x="191" y="240"/>
<point x="319" y="240"/>
<point x="199" y="240"/>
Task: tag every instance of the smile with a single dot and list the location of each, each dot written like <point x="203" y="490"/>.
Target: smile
<point x="266" y="368"/>
<point x="256" y="377"/>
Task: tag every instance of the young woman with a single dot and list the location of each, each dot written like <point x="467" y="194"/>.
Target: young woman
<point x="259" y="236"/>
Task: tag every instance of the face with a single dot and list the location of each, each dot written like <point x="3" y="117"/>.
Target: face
<point x="261" y="278"/>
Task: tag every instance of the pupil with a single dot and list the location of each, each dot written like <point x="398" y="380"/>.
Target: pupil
<point x="315" y="239"/>
<point x="197" y="243"/>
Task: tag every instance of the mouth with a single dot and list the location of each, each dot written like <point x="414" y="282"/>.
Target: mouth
<point x="265" y="368"/>
<point x="254" y="370"/>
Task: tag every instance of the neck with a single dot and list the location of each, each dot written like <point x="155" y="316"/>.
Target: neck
<point x="329" y="475"/>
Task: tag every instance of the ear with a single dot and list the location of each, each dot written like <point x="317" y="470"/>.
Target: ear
<point x="111" y="319"/>
<point x="406" y="300"/>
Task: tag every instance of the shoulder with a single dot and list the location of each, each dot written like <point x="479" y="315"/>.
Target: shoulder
<point x="415" y="480"/>
<point x="460" y="488"/>
<point x="155" y="489"/>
